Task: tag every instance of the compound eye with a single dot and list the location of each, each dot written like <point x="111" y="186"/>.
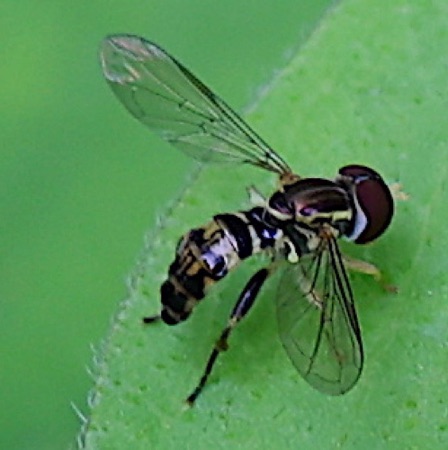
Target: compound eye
<point x="374" y="203"/>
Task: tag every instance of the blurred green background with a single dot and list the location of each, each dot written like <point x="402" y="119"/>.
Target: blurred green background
<point x="80" y="185"/>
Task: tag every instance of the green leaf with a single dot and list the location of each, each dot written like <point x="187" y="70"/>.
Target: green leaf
<point x="369" y="87"/>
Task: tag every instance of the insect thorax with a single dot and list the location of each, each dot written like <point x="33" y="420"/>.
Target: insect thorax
<point x="308" y="210"/>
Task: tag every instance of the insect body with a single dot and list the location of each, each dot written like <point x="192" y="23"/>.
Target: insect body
<point x="205" y="255"/>
<point x="298" y="225"/>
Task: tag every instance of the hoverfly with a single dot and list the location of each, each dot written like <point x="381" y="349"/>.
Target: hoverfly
<point x="298" y="225"/>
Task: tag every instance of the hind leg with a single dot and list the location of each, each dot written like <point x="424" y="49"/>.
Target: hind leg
<point x="241" y="308"/>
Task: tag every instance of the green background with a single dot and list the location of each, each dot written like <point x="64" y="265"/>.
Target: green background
<point x="79" y="184"/>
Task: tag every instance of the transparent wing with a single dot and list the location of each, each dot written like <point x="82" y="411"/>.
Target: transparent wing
<point x="162" y="94"/>
<point x="317" y="321"/>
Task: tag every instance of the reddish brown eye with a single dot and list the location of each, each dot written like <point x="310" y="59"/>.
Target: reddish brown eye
<point x="375" y="206"/>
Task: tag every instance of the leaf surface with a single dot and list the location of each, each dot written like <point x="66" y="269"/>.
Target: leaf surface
<point x="369" y="87"/>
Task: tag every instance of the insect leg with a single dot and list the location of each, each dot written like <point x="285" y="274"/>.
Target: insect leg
<point x="398" y="193"/>
<point x="357" y="265"/>
<point x="241" y="308"/>
<point x="151" y="319"/>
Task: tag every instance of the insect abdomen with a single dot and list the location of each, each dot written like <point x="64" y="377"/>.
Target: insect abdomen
<point x="203" y="256"/>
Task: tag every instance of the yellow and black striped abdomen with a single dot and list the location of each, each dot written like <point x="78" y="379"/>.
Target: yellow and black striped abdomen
<point x="205" y="255"/>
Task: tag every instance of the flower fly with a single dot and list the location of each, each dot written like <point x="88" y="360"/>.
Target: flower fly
<point x="298" y="225"/>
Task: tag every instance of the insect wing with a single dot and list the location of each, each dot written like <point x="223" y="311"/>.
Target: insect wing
<point x="317" y="321"/>
<point x="162" y="94"/>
